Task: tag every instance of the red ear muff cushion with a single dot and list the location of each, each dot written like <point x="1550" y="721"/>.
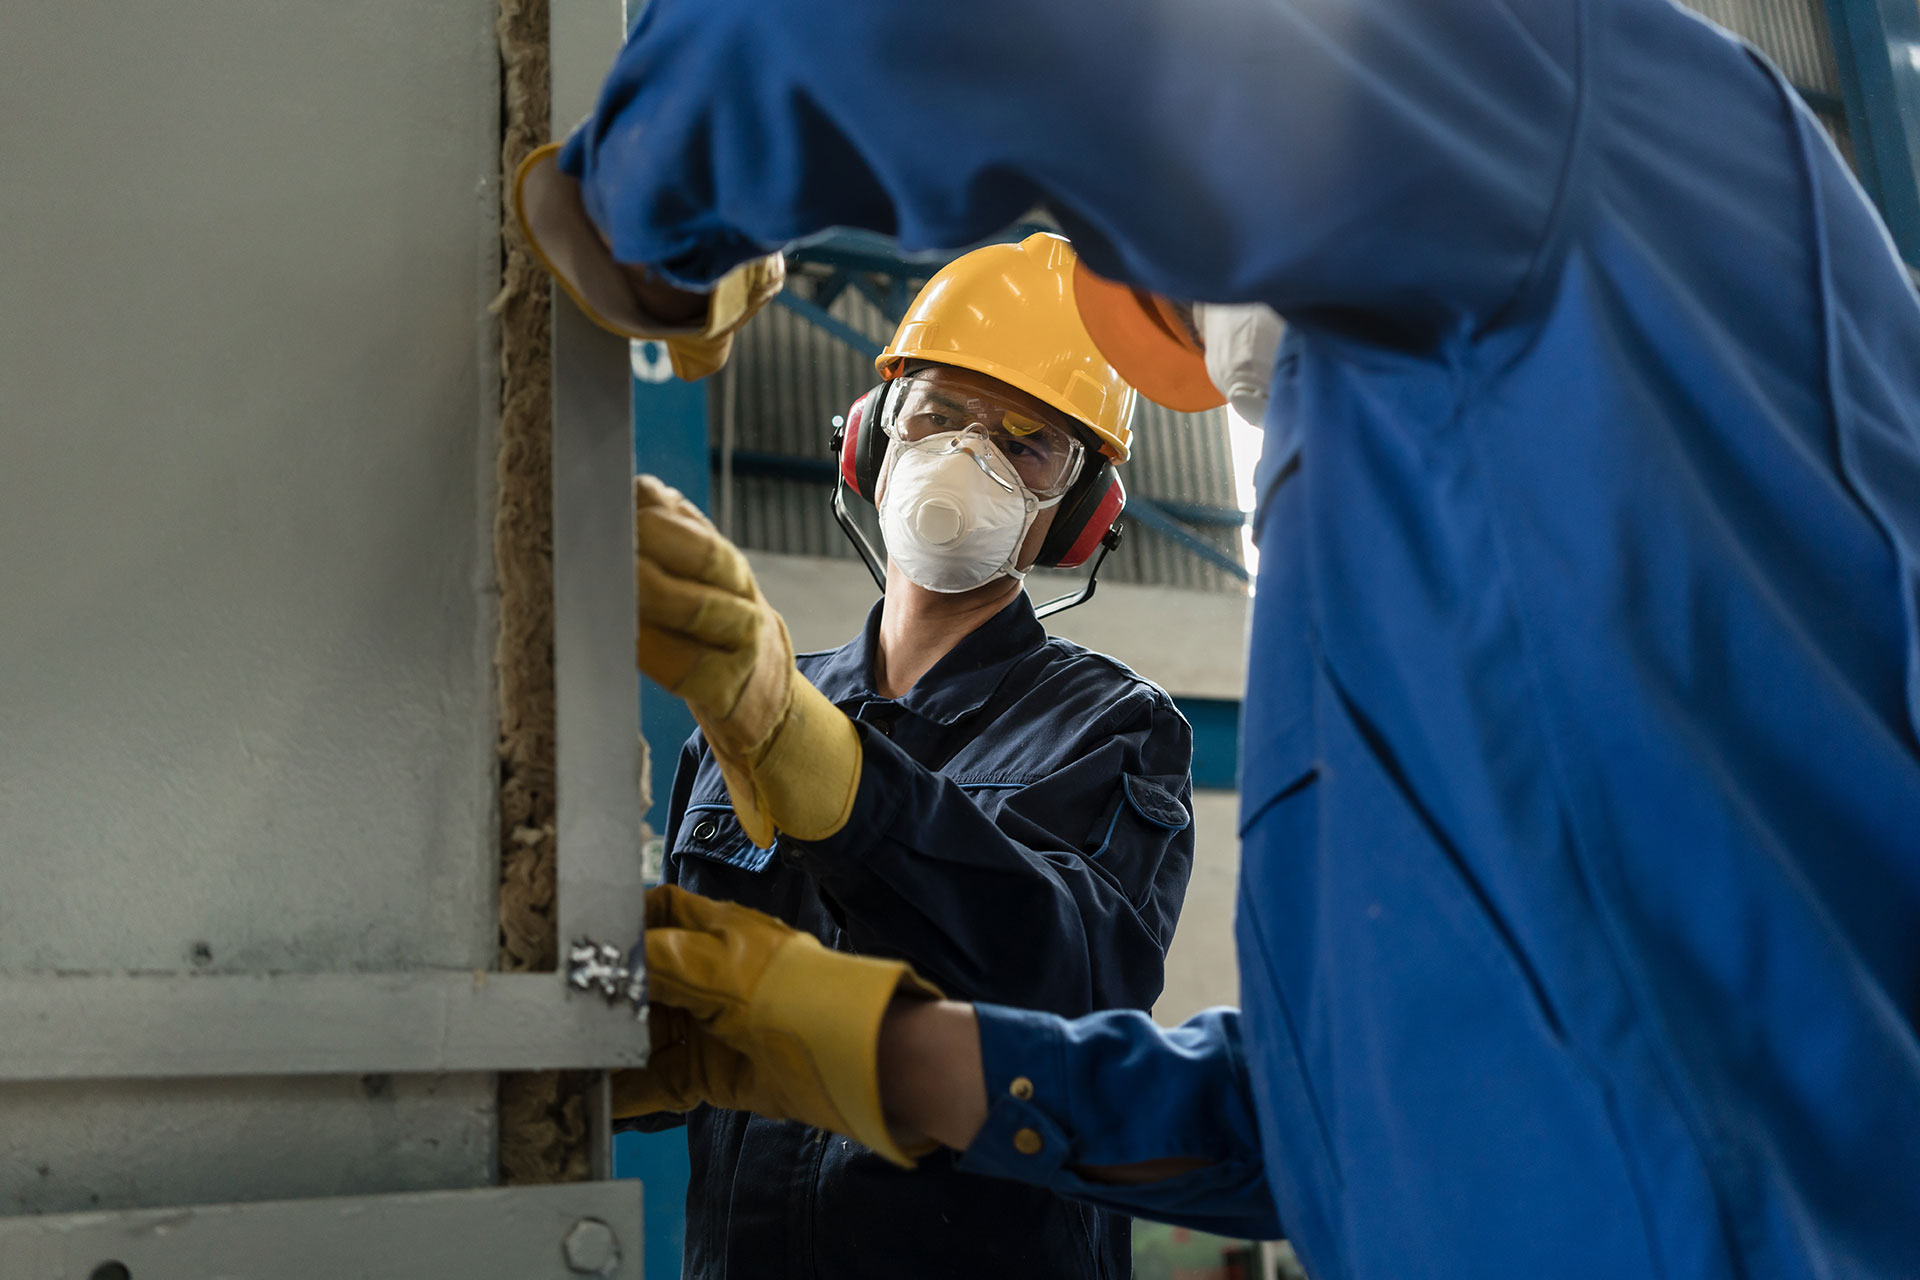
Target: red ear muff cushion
<point x="863" y="444"/>
<point x="1086" y="514"/>
<point x="850" y="442"/>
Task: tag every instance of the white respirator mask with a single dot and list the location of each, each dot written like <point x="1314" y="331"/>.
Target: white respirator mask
<point x="953" y="511"/>
<point x="1241" y="340"/>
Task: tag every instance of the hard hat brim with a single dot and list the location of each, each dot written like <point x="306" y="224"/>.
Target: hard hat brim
<point x="1141" y="344"/>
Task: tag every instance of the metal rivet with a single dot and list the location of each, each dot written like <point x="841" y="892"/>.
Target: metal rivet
<point x="1028" y="1142"/>
<point x="591" y="1248"/>
<point x="1021" y="1088"/>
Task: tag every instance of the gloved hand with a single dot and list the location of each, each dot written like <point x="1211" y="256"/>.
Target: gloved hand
<point x="548" y="207"/>
<point x="751" y="1015"/>
<point x="791" y="759"/>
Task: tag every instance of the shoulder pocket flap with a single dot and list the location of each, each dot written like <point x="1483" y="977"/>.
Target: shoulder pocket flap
<point x="1154" y="802"/>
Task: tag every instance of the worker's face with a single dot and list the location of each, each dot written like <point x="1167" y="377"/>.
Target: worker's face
<point x="1033" y="435"/>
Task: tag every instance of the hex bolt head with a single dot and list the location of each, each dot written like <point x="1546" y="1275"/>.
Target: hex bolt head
<point x="591" y="1248"/>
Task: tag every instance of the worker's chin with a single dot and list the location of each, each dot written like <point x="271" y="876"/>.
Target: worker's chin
<point x="1000" y="584"/>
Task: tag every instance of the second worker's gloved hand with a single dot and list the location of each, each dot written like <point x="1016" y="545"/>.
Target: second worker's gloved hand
<point x="549" y="208"/>
<point x="791" y="759"/>
<point x="751" y="1015"/>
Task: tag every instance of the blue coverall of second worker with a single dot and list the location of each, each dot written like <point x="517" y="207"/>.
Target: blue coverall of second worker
<point x="1581" y="764"/>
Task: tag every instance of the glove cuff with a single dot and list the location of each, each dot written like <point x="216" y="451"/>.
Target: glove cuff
<point x="835" y="1016"/>
<point x="734" y="300"/>
<point x="808" y="774"/>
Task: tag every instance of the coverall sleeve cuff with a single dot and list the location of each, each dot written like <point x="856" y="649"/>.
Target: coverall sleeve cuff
<point x="1026" y="1136"/>
<point x="1041" y="1130"/>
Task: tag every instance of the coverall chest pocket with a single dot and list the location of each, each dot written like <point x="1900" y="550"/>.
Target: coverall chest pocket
<point x="712" y="856"/>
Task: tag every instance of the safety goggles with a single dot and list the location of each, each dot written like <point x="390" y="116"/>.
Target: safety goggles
<point x="1045" y="455"/>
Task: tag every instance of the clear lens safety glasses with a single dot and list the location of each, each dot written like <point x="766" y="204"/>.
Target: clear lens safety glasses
<point x="1045" y="455"/>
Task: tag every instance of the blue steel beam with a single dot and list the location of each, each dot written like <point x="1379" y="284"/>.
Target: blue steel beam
<point x="1877" y="45"/>
<point x="819" y="317"/>
<point x="1199" y="513"/>
<point x="1821" y="102"/>
<point x="1147" y="512"/>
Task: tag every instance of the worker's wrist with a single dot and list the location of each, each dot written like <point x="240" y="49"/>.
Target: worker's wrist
<point x="930" y="1077"/>
<point x="667" y="303"/>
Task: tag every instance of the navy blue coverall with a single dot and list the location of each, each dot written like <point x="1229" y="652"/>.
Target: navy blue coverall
<point x="1022" y="835"/>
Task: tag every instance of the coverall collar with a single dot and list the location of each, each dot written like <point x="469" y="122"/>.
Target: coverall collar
<point x="957" y="685"/>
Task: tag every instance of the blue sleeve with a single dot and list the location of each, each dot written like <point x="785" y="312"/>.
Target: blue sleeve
<point x="1393" y="157"/>
<point x="1064" y="900"/>
<point x="1114" y="1089"/>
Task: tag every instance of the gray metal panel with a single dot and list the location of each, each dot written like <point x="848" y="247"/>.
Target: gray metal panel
<point x="107" y="1026"/>
<point x="71" y="1145"/>
<point x="245" y="711"/>
<point x="596" y="689"/>
<point x="245" y="675"/>
<point x="502" y="1233"/>
<point x="599" y="766"/>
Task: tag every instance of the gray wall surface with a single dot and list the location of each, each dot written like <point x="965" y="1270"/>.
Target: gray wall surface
<point x="246" y="416"/>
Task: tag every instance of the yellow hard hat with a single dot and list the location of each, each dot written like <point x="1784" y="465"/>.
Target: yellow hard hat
<point x="1008" y="311"/>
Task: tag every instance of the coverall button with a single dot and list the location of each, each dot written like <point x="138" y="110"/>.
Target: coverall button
<point x="1028" y="1142"/>
<point x="1021" y="1088"/>
<point x="706" y="830"/>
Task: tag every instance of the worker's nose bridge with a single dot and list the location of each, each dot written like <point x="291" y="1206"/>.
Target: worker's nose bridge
<point x="976" y="437"/>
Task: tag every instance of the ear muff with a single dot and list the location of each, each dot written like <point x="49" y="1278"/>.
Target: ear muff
<point x="1085" y="515"/>
<point x="862" y="444"/>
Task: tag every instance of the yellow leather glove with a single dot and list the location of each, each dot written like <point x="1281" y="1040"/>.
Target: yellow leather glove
<point x="751" y="1015"/>
<point x="791" y="759"/>
<point x="547" y="204"/>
